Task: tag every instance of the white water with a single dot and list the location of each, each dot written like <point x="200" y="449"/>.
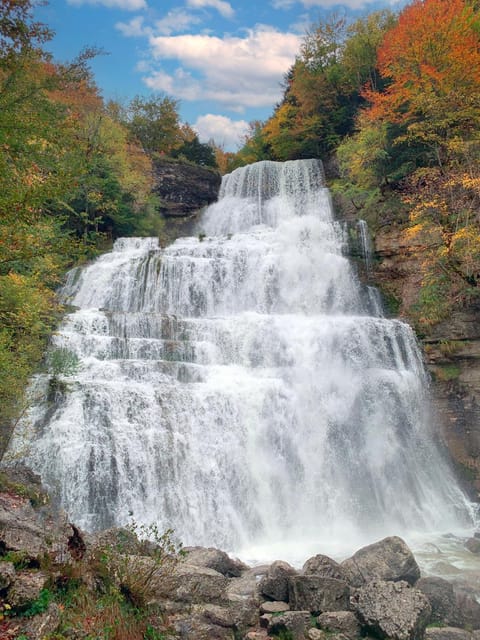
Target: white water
<point x="235" y="387"/>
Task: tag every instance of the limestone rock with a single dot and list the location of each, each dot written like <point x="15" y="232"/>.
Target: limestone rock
<point x="26" y="588"/>
<point x="216" y="560"/>
<point x="256" y="635"/>
<point x="274" y="584"/>
<point x="297" y="622"/>
<point x="441" y="596"/>
<point x="41" y="626"/>
<point x="447" y="633"/>
<point x="7" y="575"/>
<point x="243" y="593"/>
<point x="190" y="584"/>
<point x="195" y="627"/>
<point x="388" y="559"/>
<point x="345" y="622"/>
<point x="467" y="610"/>
<point x="321" y="565"/>
<point x="392" y="610"/>
<point x="220" y="616"/>
<point x="316" y="634"/>
<point x="274" y="607"/>
<point x="318" y="594"/>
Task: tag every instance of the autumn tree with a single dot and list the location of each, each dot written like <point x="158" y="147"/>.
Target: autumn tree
<point x="155" y="122"/>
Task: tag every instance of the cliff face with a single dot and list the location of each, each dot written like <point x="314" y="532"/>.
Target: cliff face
<point x="451" y="348"/>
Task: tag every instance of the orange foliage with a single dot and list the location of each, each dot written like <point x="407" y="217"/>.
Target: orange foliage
<point x="433" y="53"/>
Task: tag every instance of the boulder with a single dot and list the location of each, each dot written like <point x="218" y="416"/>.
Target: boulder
<point x="189" y="584"/>
<point x="195" y="626"/>
<point x="393" y="610"/>
<point x="316" y="634"/>
<point x="26" y="588"/>
<point x="321" y="565"/>
<point x="42" y="626"/>
<point x="296" y="622"/>
<point x="256" y="635"/>
<point x="388" y="559"/>
<point x="441" y="597"/>
<point x="345" y="622"/>
<point x="274" y="584"/>
<point x="220" y="616"/>
<point x="214" y="559"/>
<point x="473" y="545"/>
<point x="467" y="610"/>
<point x="447" y="633"/>
<point x="7" y="575"/>
<point x="274" y="607"/>
<point x="318" y="594"/>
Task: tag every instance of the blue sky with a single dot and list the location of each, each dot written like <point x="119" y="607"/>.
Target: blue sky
<point x="223" y="60"/>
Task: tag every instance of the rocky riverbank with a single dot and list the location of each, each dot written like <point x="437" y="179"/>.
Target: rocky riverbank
<point x="57" y="582"/>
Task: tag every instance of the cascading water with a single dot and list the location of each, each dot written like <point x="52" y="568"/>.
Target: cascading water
<point x="237" y="387"/>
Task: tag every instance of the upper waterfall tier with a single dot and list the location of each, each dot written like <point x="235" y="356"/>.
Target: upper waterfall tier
<point x="241" y="387"/>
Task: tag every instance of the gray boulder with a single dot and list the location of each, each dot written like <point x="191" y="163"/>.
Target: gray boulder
<point x="447" y="633"/>
<point x="274" y="584"/>
<point x="26" y="588"/>
<point x="345" y="622"/>
<point x="274" y="607"/>
<point x="467" y="610"/>
<point x="189" y="584"/>
<point x="194" y="626"/>
<point x="441" y="596"/>
<point x="392" y="610"/>
<point x="388" y="559"/>
<point x="321" y="565"/>
<point x="473" y="545"/>
<point x="297" y="622"/>
<point x="214" y="559"/>
<point x="7" y="575"/>
<point x="318" y="594"/>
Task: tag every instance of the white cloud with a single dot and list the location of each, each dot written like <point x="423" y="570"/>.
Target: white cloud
<point x="225" y="132"/>
<point x="224" y="8"/>
<point x="283" y="4"/>
<point x="175" y="21"/>
<point x="134" y="28"/>
<point x="237" y="72"/>
<point x="128" y="5"/>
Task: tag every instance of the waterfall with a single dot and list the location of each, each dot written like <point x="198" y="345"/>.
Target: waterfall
<point x="237" y="386"/>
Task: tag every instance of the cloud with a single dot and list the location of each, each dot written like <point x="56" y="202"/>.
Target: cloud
<point x="134" y="28"/>
<point x="225" y="132"/>
<point x="236" y="72"/>
<point x="283" y="4"/>
<point x="224" y="8"/>
<point x="127" y="5"/>
<point x="175" y="21"/>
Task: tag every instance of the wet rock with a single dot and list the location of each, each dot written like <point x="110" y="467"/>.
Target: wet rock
<point x="274" y="584"/>
<point x="321" y="565"/>
<point x="473" y="545"/>
<point x="441" y="597"/>
<point x="318" y="594"/>
<point x="388" y="559"/>
<point x="216" y="560"/>
<point x="467" y="610"/>
<point x="26" y="588"/>
<point x="244" y="594"/>
<point x="392" y="610"/>
<point x="297" y="622"/>
<point x="345" y="622"/>
<point x="447" y="633"/>
<point x="274" y="607"/>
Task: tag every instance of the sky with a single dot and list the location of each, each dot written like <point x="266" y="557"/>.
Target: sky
<point x="223" y="60"/>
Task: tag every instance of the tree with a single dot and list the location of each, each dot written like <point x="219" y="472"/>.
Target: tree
<point x="155" y="123"/>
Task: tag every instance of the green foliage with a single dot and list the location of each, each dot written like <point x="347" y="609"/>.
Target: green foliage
<point x="40" y="605"/>
<point x="155" y="122"/>
<point x="62" y="361"/>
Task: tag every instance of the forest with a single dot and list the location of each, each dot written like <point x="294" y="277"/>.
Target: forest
<point x="391" y="103"/>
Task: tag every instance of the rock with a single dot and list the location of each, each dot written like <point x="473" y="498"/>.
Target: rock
<point x="195" y="627"/>
<point x="41" y="626"/>
<point x="243" y="593"/>
<point x="220" y="616"/>
<point x="318" y="594"/>
<point x="388" y="559"/>
<point x="184" y="188"/>
<point x="274" y="607"/>
<point x="473" y="545"/>
<point x="26" y="588"/>
<point x="441" y="597"/>
<point x="324" y="566"/>
<point x="7" y="575"/>
<point x="447" y="633"/>
<point x="344" y="622"/>
<point x="297" y="622"/>
<point x="216" y="560"/>
<point x="316" y="634"/>
<point x="190" y="584"/>
<point x="256" y="635"/>
<point x="274" y="584"/>
<point x="467" y="610"/>
<point x="265" y="620"/>
<point x="392" y="610"/>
